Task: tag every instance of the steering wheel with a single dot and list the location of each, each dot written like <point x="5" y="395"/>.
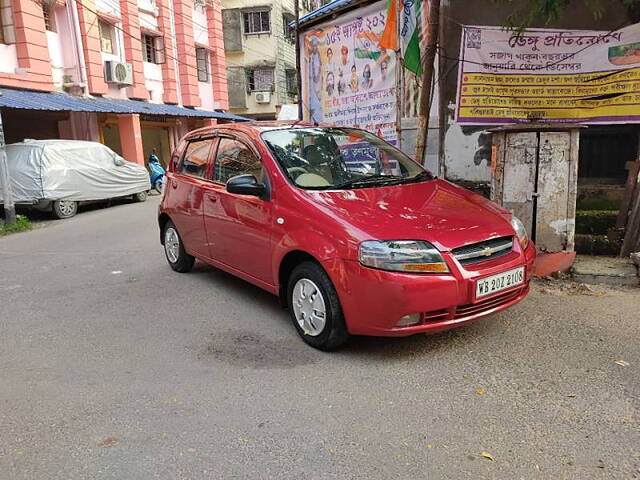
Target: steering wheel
<point x="299" y="170"/>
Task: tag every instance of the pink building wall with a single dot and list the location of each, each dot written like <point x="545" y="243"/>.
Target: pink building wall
<point x="34" y="64"/>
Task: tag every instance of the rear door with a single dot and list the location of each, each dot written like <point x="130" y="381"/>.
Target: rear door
<point x="186" y="194"/>
<point x="238" y="226"/>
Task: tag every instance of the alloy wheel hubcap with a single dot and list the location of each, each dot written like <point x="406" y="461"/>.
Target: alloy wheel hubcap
<point x="66" y="207"/>
<point x="171" y="244"/>
<point x="309" y="307"/>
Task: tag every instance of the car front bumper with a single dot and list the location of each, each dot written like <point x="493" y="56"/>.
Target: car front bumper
<point x="374" y="301"/>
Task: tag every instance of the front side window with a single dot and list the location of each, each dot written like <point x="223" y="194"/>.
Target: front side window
<point x="256" y="22"/>
<point x="196" y="156"/>
<point x="235" y="158"/>
<point x="202" y="63"/>
<point x="340" y="158"/>
<point x="106" y="36"/>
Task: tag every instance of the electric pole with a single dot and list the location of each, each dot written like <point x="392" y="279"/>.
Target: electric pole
<point x="5" y="182"/>
<point x="298" y="67"/>
<point x="433" y="29"/>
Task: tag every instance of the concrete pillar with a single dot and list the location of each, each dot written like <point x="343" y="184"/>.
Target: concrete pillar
<point x="218" y="59"/>
<point x="209" y="122"/>
<point x="131" y="137"/>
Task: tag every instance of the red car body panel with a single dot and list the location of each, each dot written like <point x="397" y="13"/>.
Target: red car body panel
<point x="249" y="237"/>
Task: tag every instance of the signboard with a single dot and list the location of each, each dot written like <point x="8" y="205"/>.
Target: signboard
<point x="347" y="78"/>
<point x="589" y="77"/>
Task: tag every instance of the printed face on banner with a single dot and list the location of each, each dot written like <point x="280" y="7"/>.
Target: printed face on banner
<point x="347" y="78"/>
<point x="589" y="77"/>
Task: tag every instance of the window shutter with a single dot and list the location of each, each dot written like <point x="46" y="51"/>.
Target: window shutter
<point x="232" y="30"/>
<point x="237" y="92"/>
<point x="159" y="49"/>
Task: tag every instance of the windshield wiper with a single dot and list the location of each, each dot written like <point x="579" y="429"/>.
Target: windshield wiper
<point x="424" y="175"/>
<point x="372" y="179"/>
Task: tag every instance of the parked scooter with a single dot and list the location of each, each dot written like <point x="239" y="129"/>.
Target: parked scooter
<point x="157" y="172"/>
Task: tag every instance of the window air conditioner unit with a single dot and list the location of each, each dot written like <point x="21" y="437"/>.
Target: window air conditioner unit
<point x="263" y="97"/>
<point x="118" y="72"/>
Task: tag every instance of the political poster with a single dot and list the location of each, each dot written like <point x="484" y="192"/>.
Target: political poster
<point x="554" y="76"/>
<point x="348" y="79"/>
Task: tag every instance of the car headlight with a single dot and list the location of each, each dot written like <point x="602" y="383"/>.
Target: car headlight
<point x="413" y="256"/>
<point x="521" y="232"/>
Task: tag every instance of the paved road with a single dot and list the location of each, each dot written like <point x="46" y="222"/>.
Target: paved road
<point x="113" y="366"/>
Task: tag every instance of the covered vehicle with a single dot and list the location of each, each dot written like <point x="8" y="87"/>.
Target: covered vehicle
<point x="58" y="174"/>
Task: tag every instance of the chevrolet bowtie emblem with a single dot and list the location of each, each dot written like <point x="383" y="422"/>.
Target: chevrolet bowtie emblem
<point x="487" y="251"/>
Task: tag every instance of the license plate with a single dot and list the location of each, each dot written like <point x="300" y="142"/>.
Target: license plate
<point x="501" y="281"/>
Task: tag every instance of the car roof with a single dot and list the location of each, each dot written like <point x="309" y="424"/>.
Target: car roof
<point x="255" y="127"/>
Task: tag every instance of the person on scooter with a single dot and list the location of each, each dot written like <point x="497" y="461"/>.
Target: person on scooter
<point x="157" y="171"/>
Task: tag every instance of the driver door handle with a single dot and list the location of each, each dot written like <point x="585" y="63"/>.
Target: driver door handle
<point x="174" y="184"/>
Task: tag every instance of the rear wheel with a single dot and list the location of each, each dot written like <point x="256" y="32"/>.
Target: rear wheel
<point x="65" y="208"/>
<point x="315" y="307"/>
<point x="159" y="185"/>
<point x="176" y="255"/>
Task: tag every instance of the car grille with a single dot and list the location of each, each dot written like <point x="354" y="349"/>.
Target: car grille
<point x="475" y="308"/>
<point x="465" y="311"/>
<point x="483" y="251"/>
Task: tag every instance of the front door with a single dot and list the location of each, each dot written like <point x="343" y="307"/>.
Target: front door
<point x="184" y="197"/>
<point x="238" y="226"/>
<point x="539" y="186"/>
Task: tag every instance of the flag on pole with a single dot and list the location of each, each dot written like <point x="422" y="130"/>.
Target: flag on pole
<point x="411" y="18"/>
<point x="389" y="38"/>
<point x="412" y="31"/>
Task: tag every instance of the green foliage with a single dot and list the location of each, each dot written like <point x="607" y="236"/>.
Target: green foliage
<point x="525" y="14"/>
<point x="22" y="224"/>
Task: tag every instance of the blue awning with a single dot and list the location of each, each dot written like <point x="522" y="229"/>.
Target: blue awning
<point x="63" y="102"/>
<point x="327" y="10"/>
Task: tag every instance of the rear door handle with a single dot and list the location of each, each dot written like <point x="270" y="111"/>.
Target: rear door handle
<point x="212" y="198"/>
<point x="174" y="184"/>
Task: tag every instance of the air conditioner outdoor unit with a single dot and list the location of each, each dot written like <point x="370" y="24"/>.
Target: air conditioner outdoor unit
<point x="263" y="97"/>
<point x="118" y="72"/>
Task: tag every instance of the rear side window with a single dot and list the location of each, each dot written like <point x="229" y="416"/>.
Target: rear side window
<point x="194" y="161"/>
<point x="235" y="158"/>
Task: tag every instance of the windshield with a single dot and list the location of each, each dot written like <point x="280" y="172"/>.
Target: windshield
<point x="337" y="158"/>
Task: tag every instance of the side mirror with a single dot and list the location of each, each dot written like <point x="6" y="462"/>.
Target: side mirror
<point x="246" y="185"/>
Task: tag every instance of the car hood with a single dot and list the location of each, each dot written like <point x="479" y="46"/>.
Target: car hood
<point x="437" y="211"/>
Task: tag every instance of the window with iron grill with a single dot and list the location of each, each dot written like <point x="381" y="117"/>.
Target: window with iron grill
<point x="202" y="63"/>
<point x="260" y="80"/>
<point x="49" y="19"/>
<point x="256" y="22"/>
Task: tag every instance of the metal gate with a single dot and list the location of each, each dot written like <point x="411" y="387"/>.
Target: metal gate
<point x="535" y="176"/>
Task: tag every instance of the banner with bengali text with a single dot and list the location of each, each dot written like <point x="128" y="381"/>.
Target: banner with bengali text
<point x="348" y="79"/>
<point x="553" y="76"/>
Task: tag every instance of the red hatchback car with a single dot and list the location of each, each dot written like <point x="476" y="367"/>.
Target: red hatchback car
<point x="353" y="235"/>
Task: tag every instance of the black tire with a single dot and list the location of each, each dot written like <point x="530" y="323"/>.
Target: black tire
<point x="334" y="334"/>
<point x="141" y="196"/>
<point x="181" y="262"/>
<point x="159" y="186"/>
<point x="64" y="209"/>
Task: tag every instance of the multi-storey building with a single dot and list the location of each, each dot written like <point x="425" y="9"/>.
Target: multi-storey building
<point x="260" y="51"/>
<point x="133" y="74"/>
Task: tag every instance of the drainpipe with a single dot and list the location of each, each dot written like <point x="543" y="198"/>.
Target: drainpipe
<point x="174" y="47"/>
<point x="74" y="23"/>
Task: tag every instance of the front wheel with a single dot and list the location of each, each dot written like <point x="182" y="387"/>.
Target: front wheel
<point x="141" y="196"/>
<point x="65" y="208"/>
<point x="176" y="255"/>
<point x="315" y="307"/>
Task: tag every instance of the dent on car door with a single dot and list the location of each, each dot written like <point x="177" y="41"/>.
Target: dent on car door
<point x="187" y="189"/>
<point x="238" y="226"/>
